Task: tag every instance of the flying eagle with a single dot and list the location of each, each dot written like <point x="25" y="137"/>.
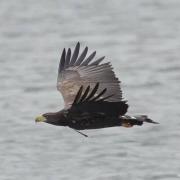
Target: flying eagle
<point x="91" y="93"/>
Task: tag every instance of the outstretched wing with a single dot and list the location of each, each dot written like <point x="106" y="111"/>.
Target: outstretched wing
<point x="92" y="102"/>
<point x="76" y="70"/>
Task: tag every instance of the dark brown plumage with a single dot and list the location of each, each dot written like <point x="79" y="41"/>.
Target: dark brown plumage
<point x="92" y="94"/>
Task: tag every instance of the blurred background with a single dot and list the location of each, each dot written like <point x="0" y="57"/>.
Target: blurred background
<point x="142" y="41"/>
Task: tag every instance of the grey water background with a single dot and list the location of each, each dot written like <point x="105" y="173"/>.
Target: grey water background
<point x="142" y="41"/>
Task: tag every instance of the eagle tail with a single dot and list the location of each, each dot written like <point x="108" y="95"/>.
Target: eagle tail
<point x="129" y="121"/>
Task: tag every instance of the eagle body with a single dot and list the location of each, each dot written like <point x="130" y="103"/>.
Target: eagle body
<point x="86" y="120"/>
<point x="82" y="121"/>
<point x="92" y="94"/>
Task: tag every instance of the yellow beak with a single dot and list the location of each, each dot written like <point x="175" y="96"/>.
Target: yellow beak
<point x="40" y="119"/>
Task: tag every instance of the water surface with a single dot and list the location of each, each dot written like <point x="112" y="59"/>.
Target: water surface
<point x="140" y="38"/>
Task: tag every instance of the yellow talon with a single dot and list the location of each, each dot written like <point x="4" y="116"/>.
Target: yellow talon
<point x="127" y="125"/>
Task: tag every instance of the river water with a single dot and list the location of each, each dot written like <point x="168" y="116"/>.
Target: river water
<point x="142" y="41"/>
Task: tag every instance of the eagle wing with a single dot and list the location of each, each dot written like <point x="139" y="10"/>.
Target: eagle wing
<point x="92" y="102"/>
<point x="77" y="69"/>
